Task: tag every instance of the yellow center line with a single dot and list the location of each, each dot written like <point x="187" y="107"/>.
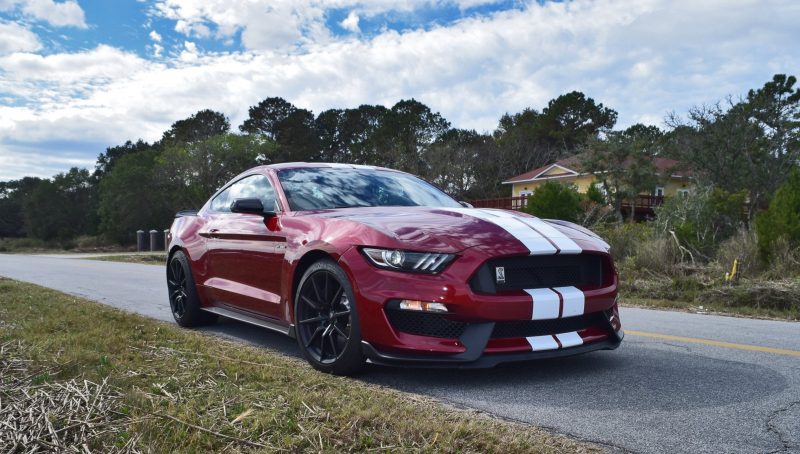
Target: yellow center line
<point x="693" y="340"/>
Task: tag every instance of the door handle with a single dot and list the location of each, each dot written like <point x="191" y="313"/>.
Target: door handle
<point x="213" y="233"/>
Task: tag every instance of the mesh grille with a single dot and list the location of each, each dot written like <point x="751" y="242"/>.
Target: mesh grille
<point x="425" y="324"/>
<point x="527" y="328"/>
<point x="539" y="272"/>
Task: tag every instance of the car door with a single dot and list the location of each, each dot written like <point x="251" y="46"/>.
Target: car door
<point x="245" y="251"/>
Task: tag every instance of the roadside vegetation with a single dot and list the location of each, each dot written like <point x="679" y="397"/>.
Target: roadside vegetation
<point x="680" y="259"/>
<point x="148" y="258"/>
<point x="75" y="373"/>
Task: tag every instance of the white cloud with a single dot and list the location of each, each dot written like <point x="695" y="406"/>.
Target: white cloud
<point x="58" y="14"/>
<point x="155" y="36"/>
<point x="351" y="22"/>
<point x="643" y="59"/>
<point x="17" y="38"/>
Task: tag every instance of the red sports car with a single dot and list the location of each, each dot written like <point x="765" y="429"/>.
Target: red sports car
<point x="371" y="264"/>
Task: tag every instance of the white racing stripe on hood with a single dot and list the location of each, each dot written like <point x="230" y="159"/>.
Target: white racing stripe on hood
<point x="533" y="240"/>
<point x="566" y="245"/>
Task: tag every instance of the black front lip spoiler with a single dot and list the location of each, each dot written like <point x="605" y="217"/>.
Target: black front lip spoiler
<point x="475" y="338"/>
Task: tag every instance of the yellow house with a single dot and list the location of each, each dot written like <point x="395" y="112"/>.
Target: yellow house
<point x="569" y="171"/>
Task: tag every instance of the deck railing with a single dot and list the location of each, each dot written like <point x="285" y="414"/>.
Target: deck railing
<point x="518" y="203"/>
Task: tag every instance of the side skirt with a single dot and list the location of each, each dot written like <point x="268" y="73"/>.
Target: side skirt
<point x="235" y="315"/>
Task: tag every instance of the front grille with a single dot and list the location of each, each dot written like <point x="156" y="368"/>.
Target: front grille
<point x="528" y="328"/>
<point x="539" y="271"/>
<point x="425" y="324"/>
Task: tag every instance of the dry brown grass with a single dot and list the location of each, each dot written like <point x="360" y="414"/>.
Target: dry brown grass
<point x="152" y="387"/>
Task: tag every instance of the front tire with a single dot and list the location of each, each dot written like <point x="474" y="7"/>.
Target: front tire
<point x="326" y="320"/>
<point x="183" y="300"/>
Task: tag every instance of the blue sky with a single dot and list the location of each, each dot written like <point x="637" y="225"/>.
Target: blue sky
<point x="77" y="76"/>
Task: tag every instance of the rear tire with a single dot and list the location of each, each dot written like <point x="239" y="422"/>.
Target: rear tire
<point x="183" y="300"/>
<point x="326" y="320"/>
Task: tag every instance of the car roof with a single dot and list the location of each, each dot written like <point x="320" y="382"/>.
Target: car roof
<point x="313" y="165"/>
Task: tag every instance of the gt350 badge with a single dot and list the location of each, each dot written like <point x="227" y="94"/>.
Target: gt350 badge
<point x="500" y="275"/>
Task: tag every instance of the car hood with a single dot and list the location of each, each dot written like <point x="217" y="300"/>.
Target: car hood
<point x="455" y="229"/>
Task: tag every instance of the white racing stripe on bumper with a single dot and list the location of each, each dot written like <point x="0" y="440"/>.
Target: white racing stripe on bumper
<point x="569" y="339"/>
<point x="574" y="301"/>
<point x="542" y="343"/>
<point x="546" y="303"/>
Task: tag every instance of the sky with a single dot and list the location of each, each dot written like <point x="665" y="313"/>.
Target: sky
<point x="77" y="76"/>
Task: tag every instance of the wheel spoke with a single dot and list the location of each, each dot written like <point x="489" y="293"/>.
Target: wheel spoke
<point x="337" y="297"/>
<point x="313" y="320"/>
<point x="340" y="332"/>
<point x="325" y="287"/>
<point x="316" y="288"/>
<point x="314" y="305"/>
<point x="333" y="344"/>
<point x="322" y="345"/>
<point x="313" y="336"/>
<point x="340" y="314"/>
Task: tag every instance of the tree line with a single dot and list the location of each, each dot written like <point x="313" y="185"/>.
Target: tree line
<point x="748" y="144"/>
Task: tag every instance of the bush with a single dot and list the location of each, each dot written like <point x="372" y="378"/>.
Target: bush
<point x="781" y="295"/>
<point x="782" y="219"/>
<point x="658" y="254"/>
<point x="743" y="245"/>
<point x="624" y="238"/>
<point x="701" y="220"/>
<point x="555" y="201"/>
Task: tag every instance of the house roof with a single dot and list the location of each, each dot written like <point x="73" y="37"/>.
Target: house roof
<point x="572" y="167"/>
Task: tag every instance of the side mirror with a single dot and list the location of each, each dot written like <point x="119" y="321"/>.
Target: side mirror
<point x="466" y="204"/>
<point x="250" y="206"/>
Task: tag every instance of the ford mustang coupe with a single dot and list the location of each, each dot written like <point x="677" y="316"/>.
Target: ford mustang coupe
<point x="371" y="264"/>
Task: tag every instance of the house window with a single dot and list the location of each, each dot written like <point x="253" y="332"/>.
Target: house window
<point x="659" y="192"/>
<point x="683" y="192"/>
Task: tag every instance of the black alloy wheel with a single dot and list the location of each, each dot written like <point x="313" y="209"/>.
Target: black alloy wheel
<point x="326" y="320"/>
<point x="176" y="282"/>
<point x="183" y="299"/>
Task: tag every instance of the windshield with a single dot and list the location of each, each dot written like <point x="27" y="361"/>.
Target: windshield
<point x="321" y="188"/>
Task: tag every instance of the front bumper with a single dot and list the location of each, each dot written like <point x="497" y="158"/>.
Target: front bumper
<point x="466" y="360"/>
<point x="477" y="345"/>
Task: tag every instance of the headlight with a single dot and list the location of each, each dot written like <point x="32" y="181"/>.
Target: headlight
<point x="413" y="262"/>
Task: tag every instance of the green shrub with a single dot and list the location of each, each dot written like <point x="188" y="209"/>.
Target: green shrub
<point x="595" y="195"/>
<point x="782" y="219"/>
<point x="555" y="201"/>
<point x="624" y="238"/>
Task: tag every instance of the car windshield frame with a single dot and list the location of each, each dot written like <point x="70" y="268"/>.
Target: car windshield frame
<point x="326" y="188"/>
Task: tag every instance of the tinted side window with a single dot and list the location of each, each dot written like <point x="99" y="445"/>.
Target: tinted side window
<point x="221" y="202"/>
<point x="254" y="186"/>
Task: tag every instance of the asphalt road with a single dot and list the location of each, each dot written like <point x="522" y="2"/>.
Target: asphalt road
<point x="650" y="395"/>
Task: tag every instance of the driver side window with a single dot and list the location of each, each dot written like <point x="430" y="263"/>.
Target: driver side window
<point x="253" y="186"/>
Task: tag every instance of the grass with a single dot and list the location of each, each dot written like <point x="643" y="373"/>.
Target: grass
<point x="117" y="381"/>
<point x="155" y="258"/>
<point x="712" y="308"/>
<point x="87" y="243"/>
